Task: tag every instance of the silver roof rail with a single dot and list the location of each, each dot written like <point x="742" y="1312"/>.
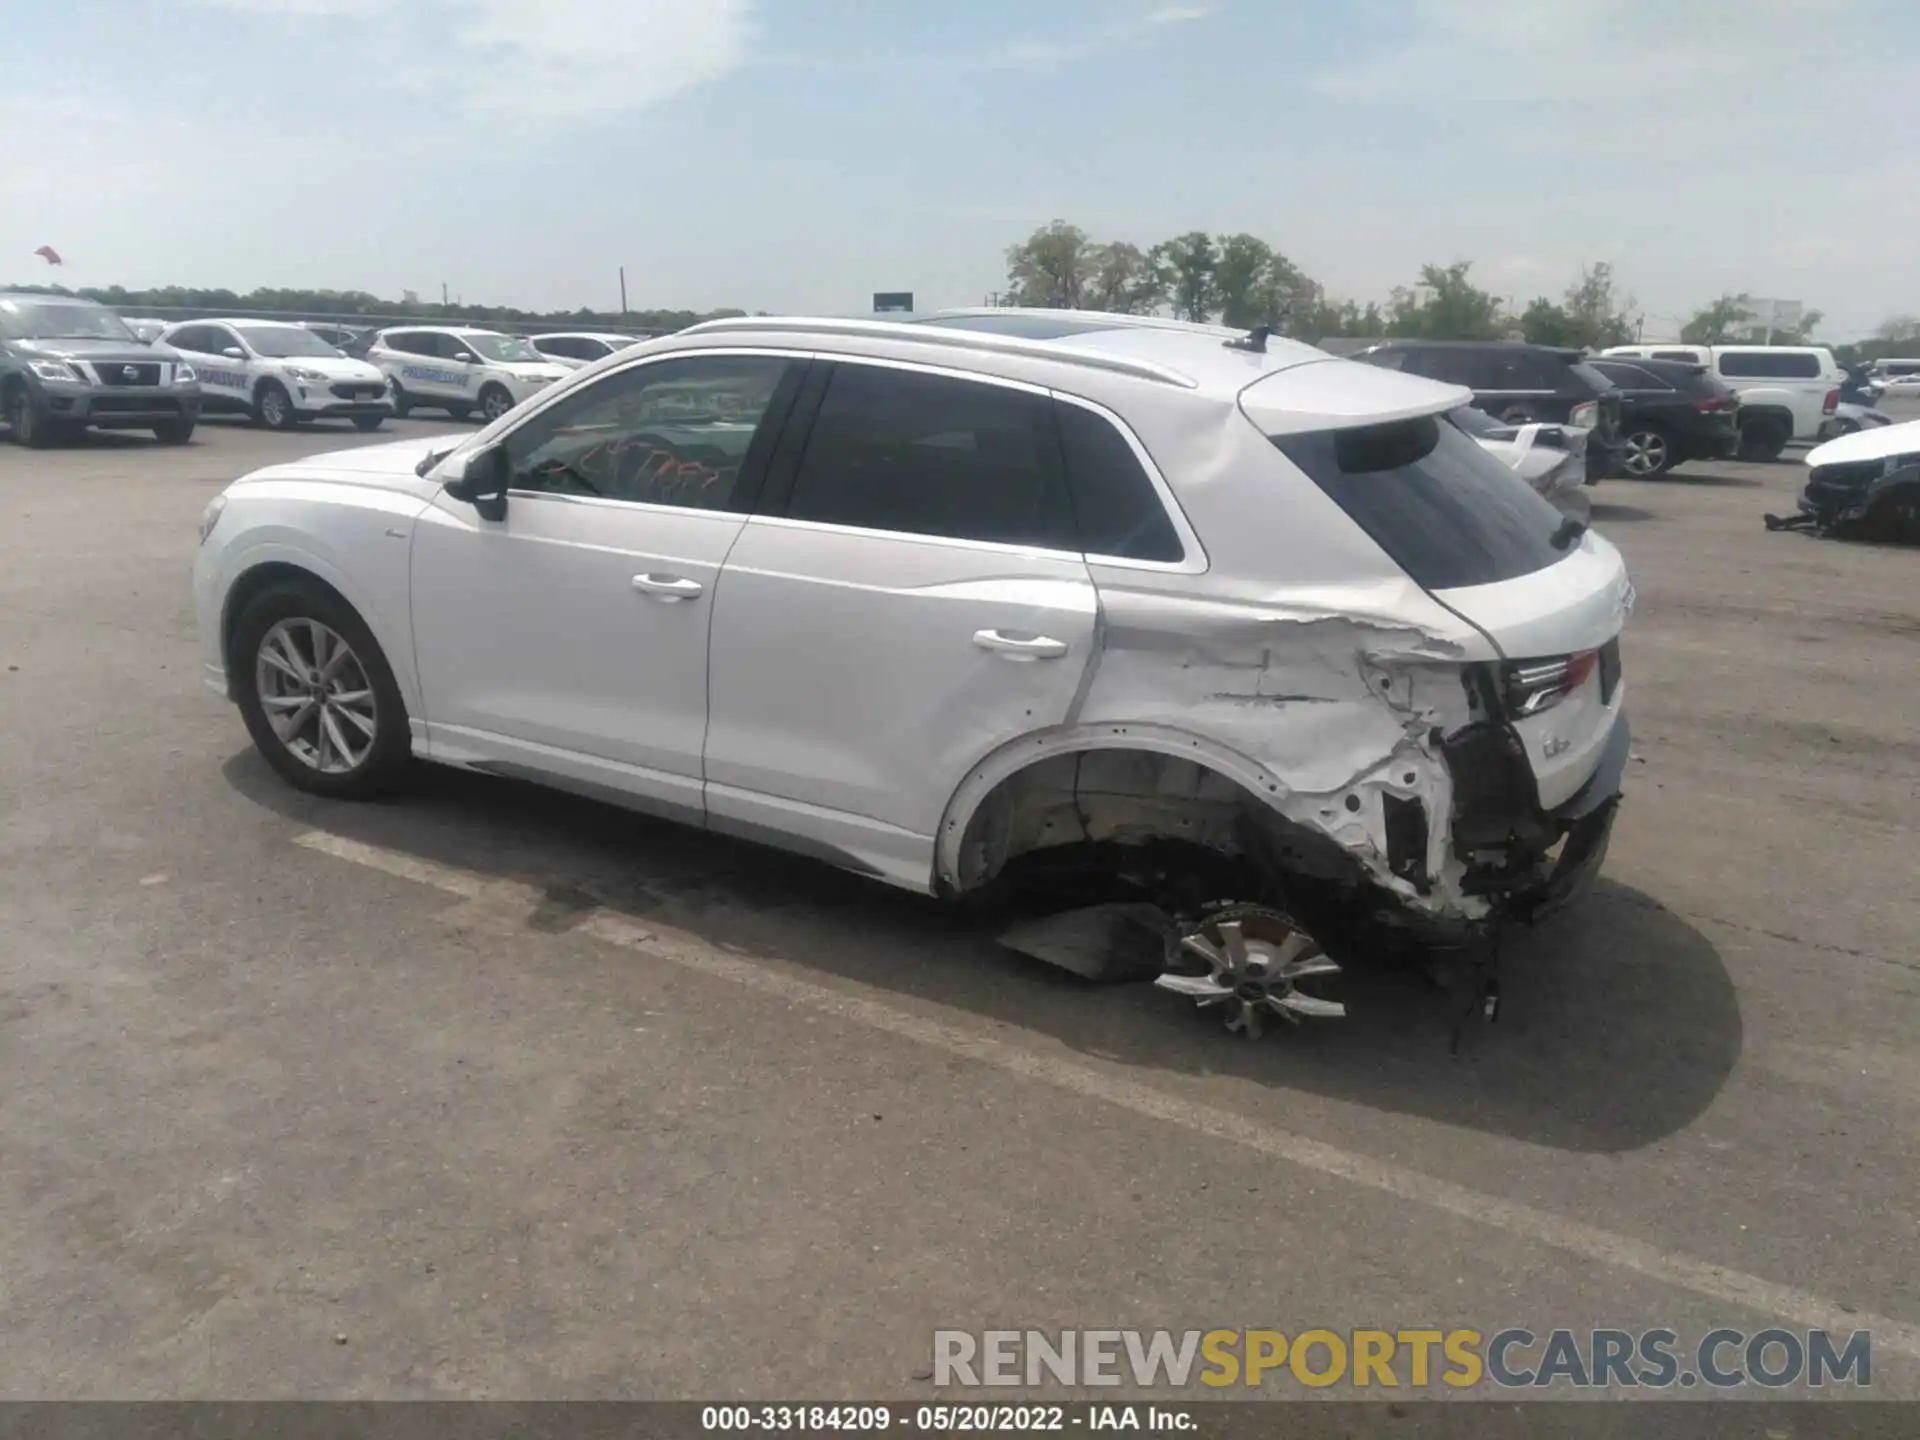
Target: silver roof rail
<point x="934" y="336"/>
<point x="1108" y="319"/>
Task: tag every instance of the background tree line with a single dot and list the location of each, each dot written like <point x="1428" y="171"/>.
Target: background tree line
<point x="1241" y="280"/>
<point x="350" y="303"/>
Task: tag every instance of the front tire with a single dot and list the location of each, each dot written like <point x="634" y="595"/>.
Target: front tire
<point x="1763" y="439"/>
<point x="494" y="402"/>
<point x="173" y="432"/>
<point x="317" y="694"/>
<point x="1648" y="453"/>
<point x="273" y="407"/>
<point x="368" y="422"/>
<point x="402" y="402"/>
<point x="27" y="422"/>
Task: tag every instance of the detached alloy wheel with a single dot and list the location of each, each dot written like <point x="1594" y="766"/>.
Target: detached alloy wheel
<point x="1647" y="454"/>
<point x="317" y="694"/>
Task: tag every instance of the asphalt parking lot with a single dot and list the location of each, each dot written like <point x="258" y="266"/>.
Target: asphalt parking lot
<point x="486" y="1092"/>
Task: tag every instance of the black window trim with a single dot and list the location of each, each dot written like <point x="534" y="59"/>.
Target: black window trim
<point x="784" y="468"/>
<point x="748" y="489"/>
<point x="1193" y="559"/>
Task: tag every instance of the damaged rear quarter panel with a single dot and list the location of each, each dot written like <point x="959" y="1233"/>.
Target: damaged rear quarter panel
<point x="1315" y="677"/>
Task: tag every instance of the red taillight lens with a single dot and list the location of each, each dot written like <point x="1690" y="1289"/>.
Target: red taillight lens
<point x="1537" y="685"/>
<point x="1714" y="404"/>
<point x="1832" y="403"/>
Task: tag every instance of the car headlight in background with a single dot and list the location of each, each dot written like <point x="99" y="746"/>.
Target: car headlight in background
<point x="185" y="374"/>
<point x="210" y="516"/>
<point x="306" y="376"/>
<point x="1586" y="415"/>
<point x="56" y="370"/>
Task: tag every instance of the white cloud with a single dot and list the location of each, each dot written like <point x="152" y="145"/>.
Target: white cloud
<point x="541" y="59"/>
<point x="1100" y="38"/>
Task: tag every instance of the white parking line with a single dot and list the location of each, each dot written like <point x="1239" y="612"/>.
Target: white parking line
<point x="1785" y="1302"/>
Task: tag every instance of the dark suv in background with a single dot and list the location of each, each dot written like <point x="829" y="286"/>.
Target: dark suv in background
<point x="1519" y="384"/>
<point x="1671" y="411"/>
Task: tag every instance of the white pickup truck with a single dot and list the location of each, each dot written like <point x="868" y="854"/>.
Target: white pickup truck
<point x="1786" y="392"/>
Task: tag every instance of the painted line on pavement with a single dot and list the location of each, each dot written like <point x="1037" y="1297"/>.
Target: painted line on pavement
<point x="1800" y="1307"/>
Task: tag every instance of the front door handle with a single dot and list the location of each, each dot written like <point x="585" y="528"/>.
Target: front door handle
<point x="670" y="588"/>
<point x="1035" y="647"/>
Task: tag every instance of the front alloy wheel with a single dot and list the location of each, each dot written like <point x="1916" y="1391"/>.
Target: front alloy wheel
<point x="494" y="403"/>
<point x="317" y="696"/>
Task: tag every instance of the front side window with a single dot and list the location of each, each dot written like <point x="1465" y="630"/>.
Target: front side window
<point x="1630" y="377"/>
<point x="673" y="433"/>
<point x="931" y="455"/>
<point x="507" y="349"/>
<point x="1447" y="512"/>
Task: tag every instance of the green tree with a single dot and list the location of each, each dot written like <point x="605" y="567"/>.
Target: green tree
<point x="1545" y="322"/>
<point x="1240" y="274"/>
<point x="1720" y="322"/>
<point x="1120" y="279"/>
<point x="1446" y="305"/>
<point x="1596" y="315"/>
<point x="1188" y="263"/>
<point x="1049" y="268"/>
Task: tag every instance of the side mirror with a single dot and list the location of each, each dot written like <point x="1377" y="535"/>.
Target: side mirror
<point x="483" y="483"/>
<point x="463" y="357"/>
<point x="234" y="352"/>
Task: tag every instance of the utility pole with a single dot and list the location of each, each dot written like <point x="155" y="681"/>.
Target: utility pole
<point x="443" y="292"/>
<point x="623" y="292"/>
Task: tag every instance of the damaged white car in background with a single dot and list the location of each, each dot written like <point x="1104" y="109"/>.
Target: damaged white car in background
<point x="1550" y="458"/>
<point x="1212" y="656"/>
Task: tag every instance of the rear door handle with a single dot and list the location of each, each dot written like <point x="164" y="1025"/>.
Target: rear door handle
<point x="1036" y="647"/>
<point x="670" y="588"/>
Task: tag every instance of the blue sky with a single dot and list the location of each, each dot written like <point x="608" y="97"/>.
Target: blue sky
<point x="800" y="154"/>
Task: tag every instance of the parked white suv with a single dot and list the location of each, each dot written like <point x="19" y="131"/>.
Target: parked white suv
<point x="1161" y="614"/>
<point x="459" y="369"/>
<point x="1785" y="392"/>
<point x="279" y="374"/>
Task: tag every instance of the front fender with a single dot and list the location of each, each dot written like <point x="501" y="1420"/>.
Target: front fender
<point x="360" y="548"/>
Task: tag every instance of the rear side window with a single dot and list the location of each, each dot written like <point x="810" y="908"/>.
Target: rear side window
<point x="1118" y="511"/>
<point x="1771" y="364"/>
<point x="1448" y="513"/>
<point x="926" y="454"/>
<point x="1630" y="377"/>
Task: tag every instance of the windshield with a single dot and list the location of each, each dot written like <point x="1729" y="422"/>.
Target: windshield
<point x="60" y="320"/>
<point x="279" y="341"/>
<point x="1448" y="513"/>
<point x="510" y="348"/>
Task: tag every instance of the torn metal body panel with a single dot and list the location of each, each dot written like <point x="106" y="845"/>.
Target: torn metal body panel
<point x="1864" y="485"/>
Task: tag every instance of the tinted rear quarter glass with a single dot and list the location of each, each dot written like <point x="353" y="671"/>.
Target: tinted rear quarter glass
<point x="1118" y="511"/>
<point x="1448" y="513"/>
<point x="929" y="455"/>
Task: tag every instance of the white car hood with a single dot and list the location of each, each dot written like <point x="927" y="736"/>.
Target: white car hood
<point x="1877" y="444"/>
<point x="529" y="370"/>
<point x="388" y="466"/>
<point x="336" y="367"/>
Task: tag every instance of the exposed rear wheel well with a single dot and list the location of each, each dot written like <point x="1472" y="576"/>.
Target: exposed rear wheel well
<point x="1107" y="802"/>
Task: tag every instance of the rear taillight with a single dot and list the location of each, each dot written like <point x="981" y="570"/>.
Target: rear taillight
<point x="1831" y="403"/>
<point x="1537" y="685"/>
<point x="1714" y="405"/>
<point x="1586" y="414"/>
